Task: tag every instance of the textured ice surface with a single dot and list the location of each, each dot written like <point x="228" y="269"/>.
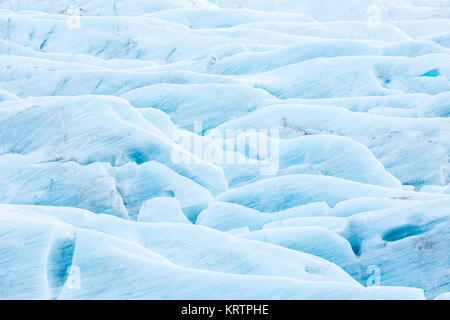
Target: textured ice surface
<point x="228" y="149"/>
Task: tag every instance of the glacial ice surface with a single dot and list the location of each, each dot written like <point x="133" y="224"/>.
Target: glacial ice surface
<point x="212" y="149"/>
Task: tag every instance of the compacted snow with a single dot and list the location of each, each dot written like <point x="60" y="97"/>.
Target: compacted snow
<point x="236" y="149"/>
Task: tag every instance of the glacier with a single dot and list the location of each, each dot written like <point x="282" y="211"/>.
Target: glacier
<point x="212" y="149"/>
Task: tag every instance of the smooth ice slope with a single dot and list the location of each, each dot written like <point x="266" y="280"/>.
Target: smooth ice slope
<point x="162" y="209"/>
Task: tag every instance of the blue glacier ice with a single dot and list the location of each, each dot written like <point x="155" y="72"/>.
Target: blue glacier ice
<point x="225" y="149"/>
